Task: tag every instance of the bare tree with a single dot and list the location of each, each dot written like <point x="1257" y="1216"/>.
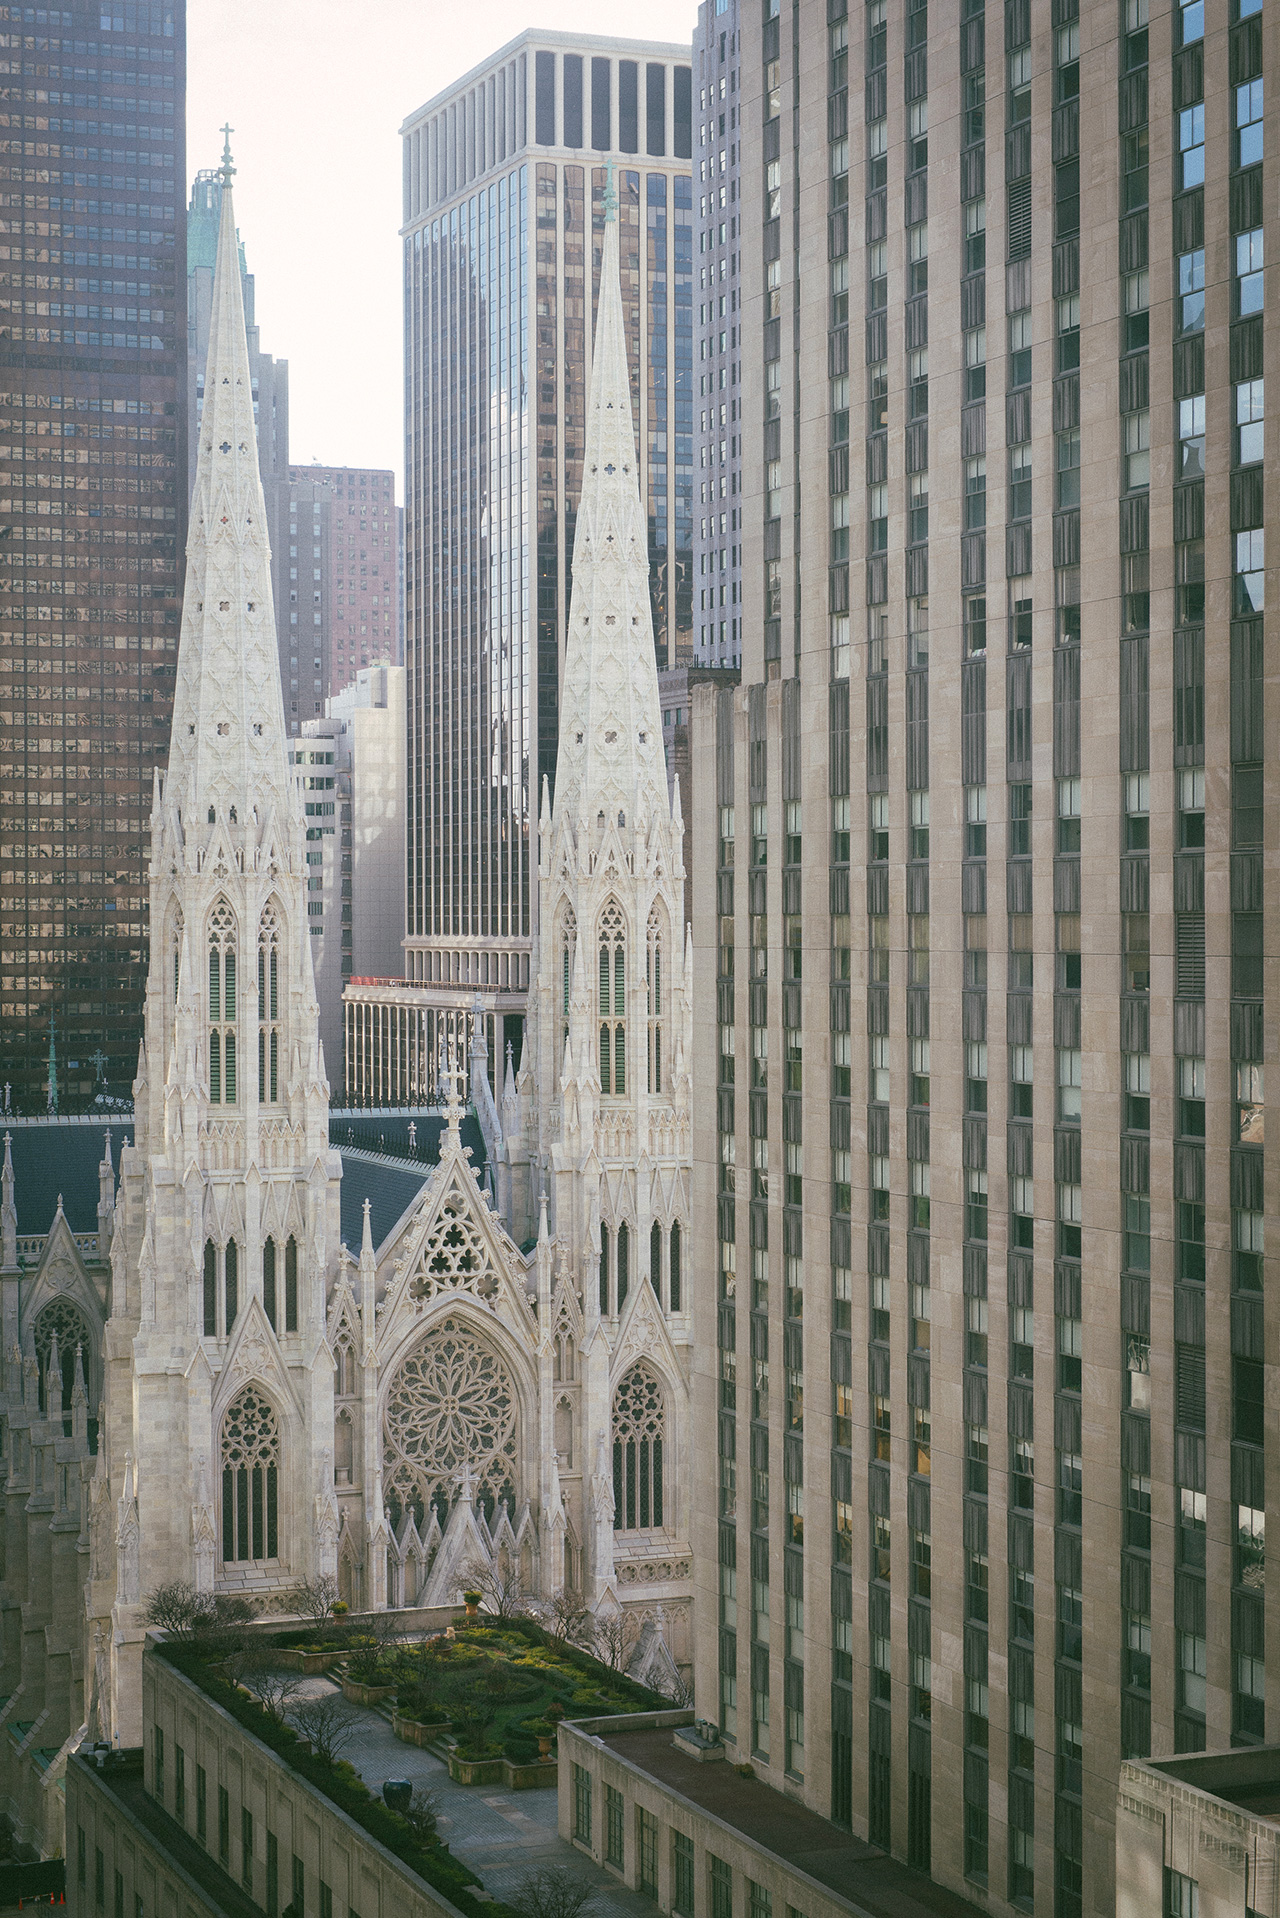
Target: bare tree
<point x="500" y="1587"/>
<point x="174" y="1608"/>
<point x="423" y="1815"/>
<point x="328" y="1722"/>
<point x="551" y="1892"/>
<point x="567" y="1618"/>
<point x="316" y="1597"/>
<point x="184" y="1613"/>
<point x="275" y="1690"/>
<point x="615" y="1636"/>
<point x="374" y="1647"/>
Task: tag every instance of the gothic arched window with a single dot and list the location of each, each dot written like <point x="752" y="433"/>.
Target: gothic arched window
<point x="268" y="1008"/>
<point x="231" y="1276"/>
<point x="222" y="1006"/>
<point x="624" y="1264"/>
<point x="673" y="1275"/>
<point x="568" y="933"/>
<point x="269" y="1282"/>
<point x="604" y="1271"/>
<point x="175" y="946"/>
<point x="653" y="982"/>
<point x="291" y="1284"/>
<point x="613" y="1002"/>
<point x="639" y="1432"/>
<point x="655" y="1260"/>
<point x="250" y="1479"/>
<point x="62" y="1323"/>
<point x="210" y="1318"/>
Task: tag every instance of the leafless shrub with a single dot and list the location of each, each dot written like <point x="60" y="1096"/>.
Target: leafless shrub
<point x="501" y="1589"/>
<point x="615" y="1636"/>
<point x="551" y="1892"/>
<point x="328" y="1722"/>
<point x="317" y="1597"/>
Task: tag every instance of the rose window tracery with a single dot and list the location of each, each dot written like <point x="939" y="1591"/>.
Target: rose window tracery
<point x="451" y="1415"/>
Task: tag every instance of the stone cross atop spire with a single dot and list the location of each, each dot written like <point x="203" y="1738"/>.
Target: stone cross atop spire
<point x="228" y="740"/>
<point x="610" y="754"/>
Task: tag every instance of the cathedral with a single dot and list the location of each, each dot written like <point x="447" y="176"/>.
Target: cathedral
<point x="237" y="1355"/>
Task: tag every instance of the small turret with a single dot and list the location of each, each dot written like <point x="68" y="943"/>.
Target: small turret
<point x="8" y="1210"/>
<point x="106" y="1200"/>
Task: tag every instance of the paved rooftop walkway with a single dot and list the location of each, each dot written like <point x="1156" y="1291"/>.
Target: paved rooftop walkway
<point x="500" y="1834"/>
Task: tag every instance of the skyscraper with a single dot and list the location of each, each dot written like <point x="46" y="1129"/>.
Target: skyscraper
<point x="991" y="948"/>
<point x="505" y="176"/>
<point x="93" y="510"/>
<point x="717" y="581"/>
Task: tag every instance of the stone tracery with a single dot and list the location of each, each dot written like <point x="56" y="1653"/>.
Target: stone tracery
<point x="452" y="1407"/>
<point x="62" y="1319"/>
<point x="454" y="1256"/>
<point x="639" y="1435"/>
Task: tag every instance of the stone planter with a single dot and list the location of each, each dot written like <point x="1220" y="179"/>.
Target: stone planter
<point x="537" y="1775"/>
<point x="476" y="1771"/>
<point x="357" y="1694"/>
<point x="300" y="1661"/>
<point x="414" y="1733"/>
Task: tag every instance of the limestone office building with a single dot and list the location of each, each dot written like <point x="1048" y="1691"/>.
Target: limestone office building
<point x="992" y="945"/>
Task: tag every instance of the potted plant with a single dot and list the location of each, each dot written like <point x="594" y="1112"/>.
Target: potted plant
<point x="472" y="1602"/>
<point x="544" y="1731"/>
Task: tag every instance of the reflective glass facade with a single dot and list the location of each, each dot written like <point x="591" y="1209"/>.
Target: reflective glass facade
<point x="92" y="507"/>
<point x="502" y="243"/>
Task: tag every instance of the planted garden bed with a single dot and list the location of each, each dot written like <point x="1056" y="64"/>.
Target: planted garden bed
<point x="417" y="1731"/>
<point x="500" y="1686"/>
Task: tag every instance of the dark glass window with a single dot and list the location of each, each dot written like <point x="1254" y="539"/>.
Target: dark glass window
<point x="655" y="101"/>
<point x="571" y="106"/>
<point x="682" y="112"/>
<point x="544" y="95"/>
<point x="628" y="106"/>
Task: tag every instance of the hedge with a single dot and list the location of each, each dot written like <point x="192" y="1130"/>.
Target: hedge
<point x="437" y="1866"/>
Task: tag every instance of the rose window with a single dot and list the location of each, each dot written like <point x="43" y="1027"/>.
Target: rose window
<point x="451" y="1414"/>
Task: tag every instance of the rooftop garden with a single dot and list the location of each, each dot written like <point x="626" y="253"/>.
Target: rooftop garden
<point x="498" y="1686"/>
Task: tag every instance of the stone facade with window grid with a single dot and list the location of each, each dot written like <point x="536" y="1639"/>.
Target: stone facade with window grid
<point x="1098" y="945"/>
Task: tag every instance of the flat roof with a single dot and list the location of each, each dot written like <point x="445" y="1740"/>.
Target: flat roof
<point x="563" y="42"/>
<point x="1248" y="1778"/>
<point x="121" y="1779"/>
<point x="846" y="1865"/>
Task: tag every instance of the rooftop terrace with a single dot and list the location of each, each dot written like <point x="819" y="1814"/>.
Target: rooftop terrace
<point x="881" y="1886"/>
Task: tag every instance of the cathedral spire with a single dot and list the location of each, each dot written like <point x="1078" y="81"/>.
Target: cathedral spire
<point x="610" y="754"/>
<point x="228" y="749"/>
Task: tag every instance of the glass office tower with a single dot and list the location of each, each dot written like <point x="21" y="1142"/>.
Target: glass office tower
<point x="92" y="523"/>
<point x="504" y="182"/>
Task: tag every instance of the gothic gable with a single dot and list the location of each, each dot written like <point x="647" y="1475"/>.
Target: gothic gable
<point x="253" y="1352"/>
<point x="455" y="1248"/>
<point x="61" y="1275"/>
<point x="643" y="1334"/>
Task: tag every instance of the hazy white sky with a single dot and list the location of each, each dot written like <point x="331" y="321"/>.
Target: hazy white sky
<point x="316" y="90"/>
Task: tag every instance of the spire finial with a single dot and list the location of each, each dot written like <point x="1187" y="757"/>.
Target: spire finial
<point x="610" y="193"/>
<point x="227" y="168"/>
